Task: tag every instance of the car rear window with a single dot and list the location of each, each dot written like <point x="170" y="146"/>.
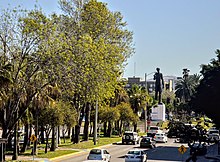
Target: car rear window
<point x="213" y="132"/>
<point x="134" y="152"/>
<point x="95" y="151"/>
<point x="145" y="140"/>
<point x="154" y="128"/>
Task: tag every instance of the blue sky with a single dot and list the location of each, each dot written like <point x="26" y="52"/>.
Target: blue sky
<point x="170" y="34"/>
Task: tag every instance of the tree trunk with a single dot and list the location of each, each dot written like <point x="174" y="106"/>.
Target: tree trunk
<point x="63" y="132"/>
<point x="47" y="138"/>
<point x="58" y="135"/>
<point x="26" y="138"/>
<point x="53" y="141"/>
<point x="87" y="121"/>
<point x="77" y="133"/>
<point x="109" y="131"/>
<point x="105" y="129"/>
<point x="135" y="127"/>
<point x="78" y="126"/>
<point x="69" y="132"/>
<point x="73" y="135"/>
<point x="42" y="139"/>
<point x="120" y="128"/>
<point x="15" y="149"/>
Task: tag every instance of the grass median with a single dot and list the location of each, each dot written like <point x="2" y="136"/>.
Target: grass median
<point x="68" y="147"/>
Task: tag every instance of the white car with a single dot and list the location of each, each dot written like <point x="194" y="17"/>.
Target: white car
<point x="153" y="130"/>
<point x="99" y="154"/>
<point x="160" y="137"/>
<point x="136" y="156"/>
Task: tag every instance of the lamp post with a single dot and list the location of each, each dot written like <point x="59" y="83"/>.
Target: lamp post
<point x="145" y="110"/>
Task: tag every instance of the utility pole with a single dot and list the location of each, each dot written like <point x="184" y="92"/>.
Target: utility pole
<point x="96" y="121"/>
<point x="145" y="110"/>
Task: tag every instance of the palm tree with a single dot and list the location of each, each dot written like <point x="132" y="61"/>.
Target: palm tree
<point x="186" y="86"/>
<point x="138" y="99"/>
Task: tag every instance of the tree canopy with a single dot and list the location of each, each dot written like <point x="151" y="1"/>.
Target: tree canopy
<point x="206" y="99"/>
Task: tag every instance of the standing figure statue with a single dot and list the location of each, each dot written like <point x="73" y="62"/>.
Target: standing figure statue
<point x="159" y="84"/>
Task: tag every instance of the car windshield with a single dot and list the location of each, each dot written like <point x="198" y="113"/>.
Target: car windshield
<point x="95" y="151"/>
<point x="134" y="152"/>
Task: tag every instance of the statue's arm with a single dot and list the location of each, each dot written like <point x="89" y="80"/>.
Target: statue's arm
<point x="162" y="80"/>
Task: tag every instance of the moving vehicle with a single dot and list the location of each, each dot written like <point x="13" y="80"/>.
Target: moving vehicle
<point x="160" y="137"/>
<point x="99" y="154"/>
<point x="153" y="130"/>
<point x="147" y="142"/>
<point x="136" y="155"/>
<point x="130" y="137"/>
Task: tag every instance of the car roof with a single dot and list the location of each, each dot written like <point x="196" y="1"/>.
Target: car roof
<point x="135" y="150"/>
<point x="130" y="132"/>
<point x="147" y="137"/>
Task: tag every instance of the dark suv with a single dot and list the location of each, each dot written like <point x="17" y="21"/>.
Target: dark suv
<point x="130" y="137"/>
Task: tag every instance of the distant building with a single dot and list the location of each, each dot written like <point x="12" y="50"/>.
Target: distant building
<point x="169" y="83"/>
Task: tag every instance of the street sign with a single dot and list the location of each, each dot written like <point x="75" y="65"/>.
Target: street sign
<point x="33" y="138"/>
<point x="182" y="149"/>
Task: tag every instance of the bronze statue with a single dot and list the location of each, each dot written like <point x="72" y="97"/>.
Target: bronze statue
<point x="159" y="85"/>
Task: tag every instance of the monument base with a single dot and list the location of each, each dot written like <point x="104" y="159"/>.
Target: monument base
<point x="158" y="112"/>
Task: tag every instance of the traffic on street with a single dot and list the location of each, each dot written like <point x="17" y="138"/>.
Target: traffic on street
<point x="163" y="152"/>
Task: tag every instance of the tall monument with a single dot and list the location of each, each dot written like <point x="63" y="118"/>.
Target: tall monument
<point x="159" y="85"/>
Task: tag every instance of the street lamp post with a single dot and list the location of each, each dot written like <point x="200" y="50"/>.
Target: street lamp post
<point x="145" y="111"/>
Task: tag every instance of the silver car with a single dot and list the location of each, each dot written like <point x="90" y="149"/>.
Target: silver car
<point x="99" y="154"/>
<point x="136" y="156"/>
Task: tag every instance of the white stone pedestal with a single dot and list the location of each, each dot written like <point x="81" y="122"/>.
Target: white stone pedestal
<point x="158" y="112"/>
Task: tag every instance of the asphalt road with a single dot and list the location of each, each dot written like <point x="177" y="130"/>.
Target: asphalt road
<point x="164" y="152"/>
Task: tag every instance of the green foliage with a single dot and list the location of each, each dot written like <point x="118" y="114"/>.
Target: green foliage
<point x="108" y="114"/>
<point x="206" y="100"/>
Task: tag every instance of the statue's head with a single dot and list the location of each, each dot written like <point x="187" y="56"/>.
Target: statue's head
<point x="158" y="69"/>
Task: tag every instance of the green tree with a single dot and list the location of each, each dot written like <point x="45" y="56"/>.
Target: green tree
<point x="206" y="99"/>
<point x="186" y="86"/>
<point x="126" y="115"/>
<point x="138" y="99"/>
<point x="98" y="44"/>
<point x="109" y="115"/>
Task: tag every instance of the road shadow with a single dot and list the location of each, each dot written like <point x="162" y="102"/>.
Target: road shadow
<point x="161" y="153"/>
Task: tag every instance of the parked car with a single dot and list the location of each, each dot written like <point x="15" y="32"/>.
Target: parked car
<point x="136" y="155"/>
<point x="147" y="142"/>
<point x="130" y="137"/>
<point x="160" y="137"/>
<point x="99" y="154"/>
<point x="198" y="148"/>
<point x="153" y="130"/>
